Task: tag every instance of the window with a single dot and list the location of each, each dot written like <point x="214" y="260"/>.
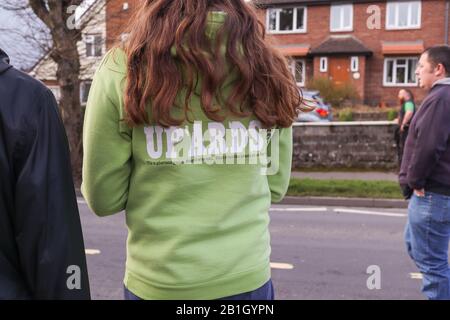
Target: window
<point x="354" y="64"/>
<point x="341" y="17"/>
<point x="298" y="70"/>
<point x="323" y="64"/>
<point x="286" y="20"/>
<point x="94" y="45"/>
<point x="400" y="71"/>
<point x="403" y="15"/>
<point x="85" y="87"/>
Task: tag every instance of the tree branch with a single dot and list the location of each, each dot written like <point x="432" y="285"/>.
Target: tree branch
<point x="39" y="7"/>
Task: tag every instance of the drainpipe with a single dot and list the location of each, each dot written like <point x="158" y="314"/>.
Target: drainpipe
<point x="447" y="9"/>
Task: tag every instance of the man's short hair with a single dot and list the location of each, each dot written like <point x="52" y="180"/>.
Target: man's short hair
<point x="440" y="55"/>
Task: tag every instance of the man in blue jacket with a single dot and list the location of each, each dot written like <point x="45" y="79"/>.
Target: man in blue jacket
<point x="425" y="175"/>
<point x="41" y="244"/>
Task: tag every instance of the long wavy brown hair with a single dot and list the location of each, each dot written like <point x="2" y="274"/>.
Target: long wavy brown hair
<point x="262" y="82"/>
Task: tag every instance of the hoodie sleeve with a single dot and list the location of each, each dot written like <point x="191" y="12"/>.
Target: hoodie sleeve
<point x="279" y="174"/>
<point x="433" y="133"/>
<point x="46" y="222"/>
<point x="107" y="145"/>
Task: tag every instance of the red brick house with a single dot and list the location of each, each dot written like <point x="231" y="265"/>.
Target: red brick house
<point x="375" y="45"/>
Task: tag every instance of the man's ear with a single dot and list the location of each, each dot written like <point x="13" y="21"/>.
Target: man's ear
<point x="439" y="70"/>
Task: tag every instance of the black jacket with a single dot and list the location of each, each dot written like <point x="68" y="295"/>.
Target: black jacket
<point x="426" y="159"/>
<point x="40" y="230"/>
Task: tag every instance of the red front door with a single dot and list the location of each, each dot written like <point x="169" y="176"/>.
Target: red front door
<point x="339" y="70"/>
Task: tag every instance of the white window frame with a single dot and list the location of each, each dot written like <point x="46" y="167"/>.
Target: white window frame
<point x="294" y="23"/>
<point x="391" y="5"/>
<point x="341" y="28"/>
<point x="354" y="64"/>
<point x="293" y="64"/>
<point x="90" y="39"/>
<point x="323" y="64"/>
<point x="82" y="89"/>
<point x="394" y="75"/>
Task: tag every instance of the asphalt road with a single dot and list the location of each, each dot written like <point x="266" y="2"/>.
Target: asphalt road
<point x="317" y="253"/>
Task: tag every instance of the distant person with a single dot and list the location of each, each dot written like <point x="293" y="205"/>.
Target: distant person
<point x="41" y="245"/>
<point x="425" y="175"/>
<point x="406" y="113"/>
<point x="198" y="74"/>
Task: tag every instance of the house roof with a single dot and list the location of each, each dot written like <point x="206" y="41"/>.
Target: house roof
<point x="267" y="3"/>
<point x="341" y="45"/>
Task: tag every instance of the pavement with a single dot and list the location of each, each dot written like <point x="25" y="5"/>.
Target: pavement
<point x="357" y="175"/>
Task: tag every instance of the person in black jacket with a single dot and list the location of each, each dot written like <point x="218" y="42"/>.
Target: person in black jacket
<point x="425" y="175"/>
<point x="41" y="243"/>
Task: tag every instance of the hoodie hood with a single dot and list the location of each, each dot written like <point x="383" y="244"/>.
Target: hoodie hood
<point x="445" y="82"/>
<point x="4" y="62"/>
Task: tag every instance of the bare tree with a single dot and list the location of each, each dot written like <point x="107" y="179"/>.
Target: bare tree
<point x="54" y="33"/>
<point x="22" y="33"/>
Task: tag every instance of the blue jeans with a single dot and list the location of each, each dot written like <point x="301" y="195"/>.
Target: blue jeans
<point x="265" y="292"/>
<point x="427" y="238"/>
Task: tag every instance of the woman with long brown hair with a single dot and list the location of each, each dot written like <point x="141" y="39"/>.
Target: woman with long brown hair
<point x="188" y="129"/>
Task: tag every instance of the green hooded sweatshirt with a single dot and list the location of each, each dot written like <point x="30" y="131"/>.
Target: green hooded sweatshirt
<point x="196" y="197"/>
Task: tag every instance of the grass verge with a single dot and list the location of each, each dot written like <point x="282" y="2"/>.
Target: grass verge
<point x="344" y="188"/>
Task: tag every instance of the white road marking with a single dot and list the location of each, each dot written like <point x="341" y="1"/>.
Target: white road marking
<point x="320" y="209"/>
<point x="92" y="251"/>
<point x="372" y="213"/>
<point x="300" y="209"/>
<point x="416" y="275"/>
<point x="283" y="266"/>
<point x="323" y="209"/>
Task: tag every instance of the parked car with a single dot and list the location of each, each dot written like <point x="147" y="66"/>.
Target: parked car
<point x="322" y="111"/>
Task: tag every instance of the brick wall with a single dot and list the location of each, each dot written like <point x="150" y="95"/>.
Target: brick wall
<point x="117" y="19"/>
<point x="448" y="38"/>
